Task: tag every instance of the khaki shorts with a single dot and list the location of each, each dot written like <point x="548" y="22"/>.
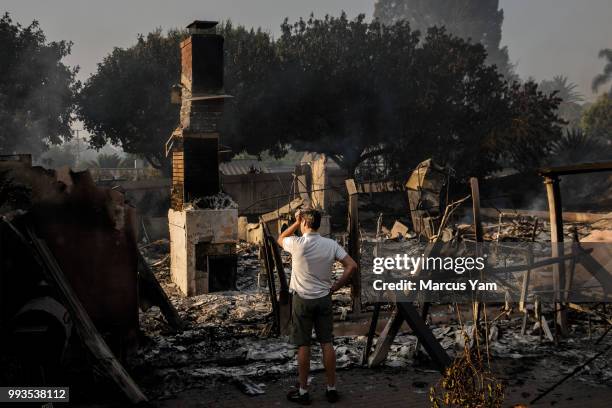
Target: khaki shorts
<point x="309" y="313"/>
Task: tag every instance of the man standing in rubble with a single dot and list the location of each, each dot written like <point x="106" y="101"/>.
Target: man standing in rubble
<point x="312" y="258"/>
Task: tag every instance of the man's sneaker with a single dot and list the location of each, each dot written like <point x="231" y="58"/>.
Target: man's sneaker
<point x="332" y="396"/>
<point x="294" y="396"/>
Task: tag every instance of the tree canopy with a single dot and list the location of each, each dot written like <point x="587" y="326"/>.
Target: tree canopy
<point x="356" y="90"/>
<point x="352" y="89"/>
<point x="37" y="90"/>
<point x="478" y="20"/>
<point x="597" y="119"/>
<point x="127" y="100"/>
<point x="606" y="76"/>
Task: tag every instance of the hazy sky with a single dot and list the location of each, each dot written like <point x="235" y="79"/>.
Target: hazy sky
<point x="544" y="37"/>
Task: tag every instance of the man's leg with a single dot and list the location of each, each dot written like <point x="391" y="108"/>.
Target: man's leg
<point x="329" y="361"/>
<point x="304" y="366"/>
<point x="301" y="332"/>
<point x="324" y="326"/>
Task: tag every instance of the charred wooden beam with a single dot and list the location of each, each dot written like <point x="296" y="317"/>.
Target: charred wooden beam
<point x="553" y="192"/>
<point x="87" y="331"/>
<point x="354" y="249"/>
<point x="575" y="169"/>
<point x="151" y="291"/>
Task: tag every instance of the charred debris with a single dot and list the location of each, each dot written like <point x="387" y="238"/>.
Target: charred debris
<point x="87" y="298"/>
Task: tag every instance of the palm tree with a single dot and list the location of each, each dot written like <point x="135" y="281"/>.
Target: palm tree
<point x="565" y="90"/>
<point x="606" y="76"/>
<point x="576" y="146"/>
<point x="106" y="161"/>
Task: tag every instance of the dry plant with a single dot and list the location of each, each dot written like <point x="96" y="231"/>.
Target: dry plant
<point x="468" y="382"/>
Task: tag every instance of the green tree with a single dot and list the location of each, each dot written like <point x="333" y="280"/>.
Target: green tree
<point x="126" y="102"/>
<point x="252" y="78"/>
<point x="352" y="89"/>
<point x="358" y="90"/>
<point x="606" y="75"/>
<point x="534" y="126"/>
<point x="478" y="20"/>
<point x="597" y="119"/>
<point x="37" y="90"/>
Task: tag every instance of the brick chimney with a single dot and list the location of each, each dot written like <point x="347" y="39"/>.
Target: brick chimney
<point x="202" y="239"/>
<point x="195" y="143"/>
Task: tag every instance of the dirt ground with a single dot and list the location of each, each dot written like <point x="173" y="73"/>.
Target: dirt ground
<point x="380" y="388"/>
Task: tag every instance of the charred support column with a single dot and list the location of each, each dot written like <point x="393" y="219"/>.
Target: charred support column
<point x="553" y="192"/>
<point x="353" y="243"/>
<point x="477" y="305"/>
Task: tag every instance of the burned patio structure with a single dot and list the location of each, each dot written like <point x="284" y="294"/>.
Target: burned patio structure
<point x="521" y="335"/>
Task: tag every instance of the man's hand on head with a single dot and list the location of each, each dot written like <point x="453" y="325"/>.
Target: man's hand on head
<point x="291" y="230"/>
<point x="298" y="216"/>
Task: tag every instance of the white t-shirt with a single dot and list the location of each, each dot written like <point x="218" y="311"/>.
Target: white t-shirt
<point x="312" y="258"/>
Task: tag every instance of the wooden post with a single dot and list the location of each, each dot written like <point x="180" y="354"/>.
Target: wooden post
<point x="555" y="211"/>
<point x="524" y="290"/>
<point x="476" y="306"/>
<point x="476" y="209"/>
<point x="353" y="244"/>
<point x="386" y="338"/>
<point x="268" y="263"/>
<point x="371" y="333"/>
<point x="525" y="283"/>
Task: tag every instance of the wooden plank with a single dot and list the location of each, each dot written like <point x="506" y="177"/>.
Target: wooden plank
<point x="568" y="216"/>
<point x="287" y="209"/>
<point x="386" y="338"/>
<point x="150" y="288"/>
<point x="371" y="333"/>
<point x="575" y="169"/>
<point x="424" y="334"/>
<point x="85" y="327"/>
<point x="351" y="186"/>
<point x="599" y="271"/>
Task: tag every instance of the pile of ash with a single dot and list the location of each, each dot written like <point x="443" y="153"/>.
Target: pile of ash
<point x="219" y="201"/>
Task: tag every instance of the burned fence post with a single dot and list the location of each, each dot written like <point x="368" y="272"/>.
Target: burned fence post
<point x="281" y="304"/>
<point x="353" y="243"/>
<point x="475" y="192"/>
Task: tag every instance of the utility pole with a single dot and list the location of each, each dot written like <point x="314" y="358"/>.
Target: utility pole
<point x="78" y="150"/>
